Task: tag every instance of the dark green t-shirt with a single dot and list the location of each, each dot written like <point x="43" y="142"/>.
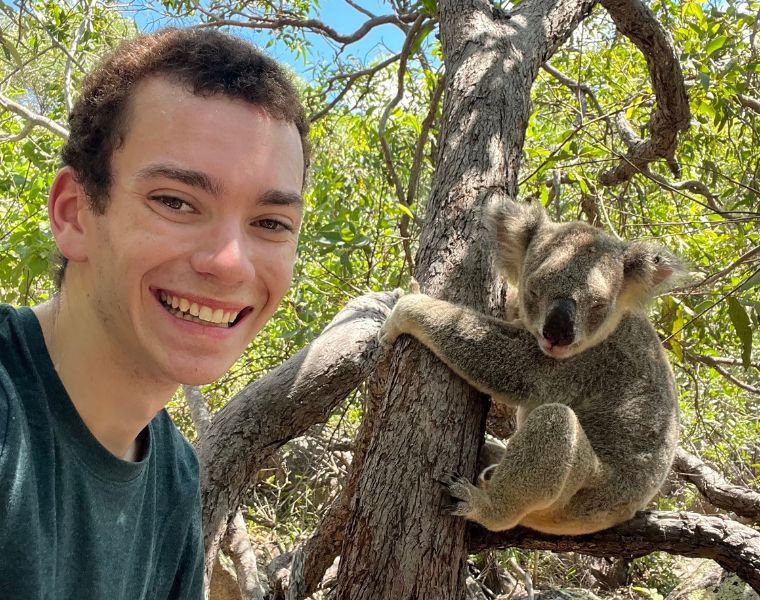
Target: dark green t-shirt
<point x="75" y="521"/>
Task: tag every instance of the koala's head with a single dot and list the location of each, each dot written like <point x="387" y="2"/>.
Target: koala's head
<point x="575" y="283"/>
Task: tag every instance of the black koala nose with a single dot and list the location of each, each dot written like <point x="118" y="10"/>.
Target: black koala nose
<point x="559" y="327"/>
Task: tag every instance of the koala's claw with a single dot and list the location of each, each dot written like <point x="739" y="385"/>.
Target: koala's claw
<point x="460" y="491"/>
<point x="456" y="509"/>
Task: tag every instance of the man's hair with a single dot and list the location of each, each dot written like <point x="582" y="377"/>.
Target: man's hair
<point x="206" y="61"/>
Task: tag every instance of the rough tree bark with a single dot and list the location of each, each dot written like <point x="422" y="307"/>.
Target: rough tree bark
<point x="713" y="486"/>
<point x="398" y="545"/>
<point x="281" y="406"/>
<point x="734" y="546"/>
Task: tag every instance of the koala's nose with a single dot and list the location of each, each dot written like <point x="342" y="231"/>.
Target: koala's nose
<point x="559" y="327"/>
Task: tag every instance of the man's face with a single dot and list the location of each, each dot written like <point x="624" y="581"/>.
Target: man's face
<point x="203" y="219"/>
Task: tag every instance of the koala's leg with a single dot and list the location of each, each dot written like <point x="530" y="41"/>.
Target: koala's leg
<point x="545" y="463"/>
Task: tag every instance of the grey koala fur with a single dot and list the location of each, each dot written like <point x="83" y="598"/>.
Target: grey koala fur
<point x="597" y="408"/>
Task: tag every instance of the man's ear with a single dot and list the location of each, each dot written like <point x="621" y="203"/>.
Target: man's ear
<point x="67" y="203"/>
<point x="513" y="226"/>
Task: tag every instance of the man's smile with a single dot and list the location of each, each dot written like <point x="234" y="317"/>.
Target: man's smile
<point x="201" y="311"/>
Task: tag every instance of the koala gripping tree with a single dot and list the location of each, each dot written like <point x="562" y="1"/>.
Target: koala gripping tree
<point x="397" y="543"/>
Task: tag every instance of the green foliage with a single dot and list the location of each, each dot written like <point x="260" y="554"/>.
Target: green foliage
<point x="655" y="572"/>
<point x="359" y="235"/>
<point x="32" y="73"/>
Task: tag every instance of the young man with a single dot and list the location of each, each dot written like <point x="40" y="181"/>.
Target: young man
<point x="177" y="214"/>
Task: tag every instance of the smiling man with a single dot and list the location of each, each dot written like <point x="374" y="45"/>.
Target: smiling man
<point x="177" y="216"/>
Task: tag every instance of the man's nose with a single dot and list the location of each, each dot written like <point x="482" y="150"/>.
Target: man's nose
<point x="225" y="256"/>
<point x="559" y="326"/>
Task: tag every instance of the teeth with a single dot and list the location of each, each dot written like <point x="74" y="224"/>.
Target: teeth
<point x="192" y="311"/>
<point x="205" y="313"/>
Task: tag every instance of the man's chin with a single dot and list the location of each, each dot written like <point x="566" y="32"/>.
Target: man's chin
<point x="203" y="376"/>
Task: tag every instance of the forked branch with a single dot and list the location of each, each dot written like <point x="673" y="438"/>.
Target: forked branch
<point x="671" y="115"/>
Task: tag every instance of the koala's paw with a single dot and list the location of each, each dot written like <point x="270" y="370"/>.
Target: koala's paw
<point x="391" y="329"/>
<point x="462" y="495"/>
<point x="397" y="322"/>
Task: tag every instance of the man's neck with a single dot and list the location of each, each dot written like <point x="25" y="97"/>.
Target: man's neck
<point x="114" y="401"/>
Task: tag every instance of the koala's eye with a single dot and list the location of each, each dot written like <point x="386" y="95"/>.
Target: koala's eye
<point x="533" y="295"/>
<point x="599" y="306"/>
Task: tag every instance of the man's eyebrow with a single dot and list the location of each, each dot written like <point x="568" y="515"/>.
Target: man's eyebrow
<point x="281" y="198"/>
<point x="197" y="179"/>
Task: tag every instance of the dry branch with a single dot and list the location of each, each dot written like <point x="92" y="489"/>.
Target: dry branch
<point x="634" y="20"/>
<point x="237" y="545"/>
<point x="749" y="102"/>
<point x="283" y="405"/>
<point x="708" y="360"/>
<point x="713" y="486"/>
<point x="34" y="118"/>
<point x="314" y="25"/>
<point x="732" y="545"/>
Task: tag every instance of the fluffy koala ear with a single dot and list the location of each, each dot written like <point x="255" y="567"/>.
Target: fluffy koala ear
<point x="649" y="270"/>
<point x="512" y="226"/>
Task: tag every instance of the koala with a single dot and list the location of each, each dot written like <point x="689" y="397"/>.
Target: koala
<point x="597" y="407"/>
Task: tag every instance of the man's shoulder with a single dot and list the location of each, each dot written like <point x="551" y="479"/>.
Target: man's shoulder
<point x="9" y="324"/>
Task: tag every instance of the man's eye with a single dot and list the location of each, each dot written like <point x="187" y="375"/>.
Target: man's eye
<point x="173" y="203"/>
<point x="274" y="225"/>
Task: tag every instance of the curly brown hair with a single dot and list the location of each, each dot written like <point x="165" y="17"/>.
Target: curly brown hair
<point x="207" y="61"/>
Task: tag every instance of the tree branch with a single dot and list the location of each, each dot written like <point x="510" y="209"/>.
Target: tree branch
<point x="314" y="25"/>
<point x="17" y="137"/>
<point x="744" y="258"/>
<point x="237" y="545"/>
<point x="692" y="185"/>
<point x="708" y="360"/>
<point x="749" y="102"/>
<point x="634" y="20"/>
<point x="414" y="174"/>
<point x="198" y="409"/>
<point x="70" y="59"/>
<point x="732" y="545"/>
<point x="713" y="486"/>
<point x="283" y="405"/>
<point x="392" y="173"/>
<point x="395" y="180"/>
<point x="311" y="560"/>
<point x="33" y="117"/>
<point x="352" y="79"/>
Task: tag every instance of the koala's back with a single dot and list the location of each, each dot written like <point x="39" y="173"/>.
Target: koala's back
<point x="624" y="395"/>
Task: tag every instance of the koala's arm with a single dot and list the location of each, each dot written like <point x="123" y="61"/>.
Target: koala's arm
<point x="493" y="356"/>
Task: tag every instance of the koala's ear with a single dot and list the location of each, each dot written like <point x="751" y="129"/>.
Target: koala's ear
<point x="513" y="226"/>
<point x="649" y="269"/>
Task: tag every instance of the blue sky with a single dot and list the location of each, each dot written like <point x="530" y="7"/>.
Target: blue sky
<point x="338" y="15"/>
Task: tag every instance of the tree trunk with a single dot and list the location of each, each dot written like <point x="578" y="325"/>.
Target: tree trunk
<point x="282" y="405"/>
<point x="398" y="544"/>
